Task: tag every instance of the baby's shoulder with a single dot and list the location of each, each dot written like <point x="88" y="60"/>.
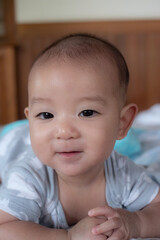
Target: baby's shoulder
<point x="119" y="168"/>
<point x="117" y="161"/>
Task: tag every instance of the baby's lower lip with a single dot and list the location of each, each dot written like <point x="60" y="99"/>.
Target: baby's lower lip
<point x="69" y="154"/>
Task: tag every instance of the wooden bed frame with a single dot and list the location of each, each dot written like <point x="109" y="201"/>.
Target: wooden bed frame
<point x="139" y="41"/>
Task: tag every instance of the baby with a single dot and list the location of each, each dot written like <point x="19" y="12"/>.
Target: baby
<point x="68" y="183"/>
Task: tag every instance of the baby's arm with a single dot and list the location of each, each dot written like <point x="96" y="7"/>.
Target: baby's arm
<point x="13" y="229"/>
<point x="125" y="225"/>
<point x="149" y="218"/>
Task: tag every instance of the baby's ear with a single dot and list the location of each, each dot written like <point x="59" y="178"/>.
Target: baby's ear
<point x="128" y="114"/>
<point x="26" y="112"/>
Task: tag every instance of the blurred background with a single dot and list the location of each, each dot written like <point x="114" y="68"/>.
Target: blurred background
<point x="26" y="27"/>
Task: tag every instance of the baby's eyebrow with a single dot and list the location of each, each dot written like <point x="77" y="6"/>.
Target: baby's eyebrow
<point x="94" y="99"/>
<point x="39" y="100"/>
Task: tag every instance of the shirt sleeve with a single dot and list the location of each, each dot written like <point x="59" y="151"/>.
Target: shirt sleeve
<point x="20" y="195"/>
<point x="128" y="185"/>
<point x="22" y="191"/>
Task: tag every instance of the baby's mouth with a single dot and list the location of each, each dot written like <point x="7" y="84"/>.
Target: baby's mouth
<point x="69" y="154"/>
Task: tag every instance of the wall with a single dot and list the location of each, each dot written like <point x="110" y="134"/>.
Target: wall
<point x="34" y="11"/>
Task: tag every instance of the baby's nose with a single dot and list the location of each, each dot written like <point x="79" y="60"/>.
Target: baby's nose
<point x="66" y="130"/>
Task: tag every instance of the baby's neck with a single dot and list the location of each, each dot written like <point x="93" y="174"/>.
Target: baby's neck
<point x="82" y="181"/>
<point x="78" y="199"/>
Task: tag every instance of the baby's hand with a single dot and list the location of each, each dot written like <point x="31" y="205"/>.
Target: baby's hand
<point x="119" y="223"/>
<point x="83" y="229"/>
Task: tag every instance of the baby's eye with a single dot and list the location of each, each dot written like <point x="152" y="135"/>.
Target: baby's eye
<point x="88" y="113"/>
<point x="45" y="115"/>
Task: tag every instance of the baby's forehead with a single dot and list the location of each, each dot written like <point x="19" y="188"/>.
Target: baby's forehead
<point x="90" y="65"/>
<point x="90" y="72"/>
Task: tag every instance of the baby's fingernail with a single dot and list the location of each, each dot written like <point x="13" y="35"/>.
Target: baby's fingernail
<point x="94" y="230"/>
<point x="90" y="212"/>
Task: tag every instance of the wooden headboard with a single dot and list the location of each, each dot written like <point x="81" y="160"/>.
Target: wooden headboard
<point x="139" y="41"/>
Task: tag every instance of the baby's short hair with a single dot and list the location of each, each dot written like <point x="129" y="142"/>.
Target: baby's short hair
<point x="86" y="47"/>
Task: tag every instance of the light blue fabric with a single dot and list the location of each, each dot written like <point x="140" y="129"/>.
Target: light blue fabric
<point x="11" y="126"/>
<point x="130" y="145"/>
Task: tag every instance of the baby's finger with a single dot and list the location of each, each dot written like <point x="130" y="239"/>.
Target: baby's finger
<point x="108" y="234"/>
<point x="117" y="235"/>
<point x="102" y="211"/>
<point x="107" y="226"/>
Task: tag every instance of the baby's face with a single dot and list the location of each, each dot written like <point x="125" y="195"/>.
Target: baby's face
<point x="74" y="116"/>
